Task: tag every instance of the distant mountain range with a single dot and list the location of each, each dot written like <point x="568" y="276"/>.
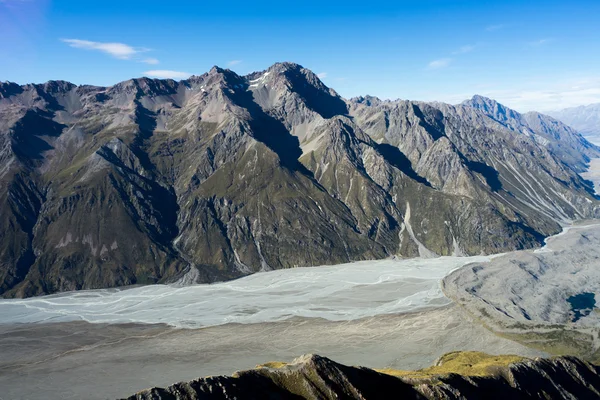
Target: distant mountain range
<point x="220" y="175"/>
<point x="585" y="119"/>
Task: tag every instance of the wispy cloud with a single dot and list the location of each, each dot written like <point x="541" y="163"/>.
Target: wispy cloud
<point x="539" y="42"/>
<point x="542" y="100"/>
<point x="234" y="62"/>
<point x="167" y="74"/>
<point x="548" y="94"/>
<point x="444" y="62"/>
<point x="322" y="75"/>
<point x="560" y="95"/>
<point x="152" y="61"/>
<point x="465" y="49"/>
<point x="491" y="28"/>
<point x="121" y="51"/>
<point x="439" y="64"/>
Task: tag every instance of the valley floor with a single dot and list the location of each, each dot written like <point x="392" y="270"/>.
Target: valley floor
<point x="74" y="360"/>
<point x="593" y="174"/>
<point x="47" y="354"/>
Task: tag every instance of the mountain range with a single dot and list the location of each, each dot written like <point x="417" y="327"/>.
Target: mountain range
<point x="585" y="119"/>
<point x="221" y="175"/>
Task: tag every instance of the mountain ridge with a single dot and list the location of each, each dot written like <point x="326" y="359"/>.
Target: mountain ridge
<point x="204" y="179"/>
<point x="315" y="377"/>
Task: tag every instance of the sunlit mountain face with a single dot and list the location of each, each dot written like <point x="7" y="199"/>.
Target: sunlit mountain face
<point x="220" y="175"/>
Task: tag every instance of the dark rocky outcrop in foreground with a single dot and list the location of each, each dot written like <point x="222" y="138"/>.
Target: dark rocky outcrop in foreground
<point x="315" y="377"/>
<point x="220" y="175"/>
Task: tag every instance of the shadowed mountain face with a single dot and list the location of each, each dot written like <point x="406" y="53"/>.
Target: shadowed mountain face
<point x="221" y="175"/>
<point x="315" y="377"/>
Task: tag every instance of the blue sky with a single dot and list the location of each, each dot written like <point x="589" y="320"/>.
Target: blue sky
<point x="527" y="54"/>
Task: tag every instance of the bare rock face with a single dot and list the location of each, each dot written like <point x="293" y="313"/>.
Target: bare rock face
<point x="315" y="377"/>
<point x="219" y="176"/>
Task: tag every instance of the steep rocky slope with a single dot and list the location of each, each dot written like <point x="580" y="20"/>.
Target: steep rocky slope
<point x="315" y="377"/>
<point x="221" y="175"/>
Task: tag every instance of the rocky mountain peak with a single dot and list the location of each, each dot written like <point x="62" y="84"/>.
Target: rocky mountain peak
<point x="144" y="87"/>
<point x="216" y="70"/>
<point x="8" y="89"/>
<point x="58" y="86"/>
<point x="216" y="77"/>
<point x="280" y="67"/>
<point x="541" y="128"/>
<point x="278" y="72"/>
<point x="367" y="100"/>
<point x="479" y="99"/>
<point x="491" y="107"/>
<point x="286" y="82"/>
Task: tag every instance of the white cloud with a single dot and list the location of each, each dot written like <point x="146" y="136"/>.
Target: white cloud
<point x="167" y="74"/>
<point x="233" y="62"/>
<point x="438" y="64"/>
<point x="322" y="75"/>
<point x="121" y="51"/>
<point x="465" y="49"/>
<point x="152" y="61"/>
<point x="491" y="28"/>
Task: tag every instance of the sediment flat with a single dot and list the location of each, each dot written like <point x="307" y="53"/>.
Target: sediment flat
<point x="74" y="360"/>
<point x="545" y="298"/>
<point x="593" y="174"/>
<point x="533" y="287"/>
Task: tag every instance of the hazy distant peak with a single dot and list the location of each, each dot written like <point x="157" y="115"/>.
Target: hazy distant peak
<point x="482" y="102"/>
<point x="593" y="106"/>
<point x="480" y="98"/>
<point x="586" y="119"/>
<point x="491" y="107"/>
